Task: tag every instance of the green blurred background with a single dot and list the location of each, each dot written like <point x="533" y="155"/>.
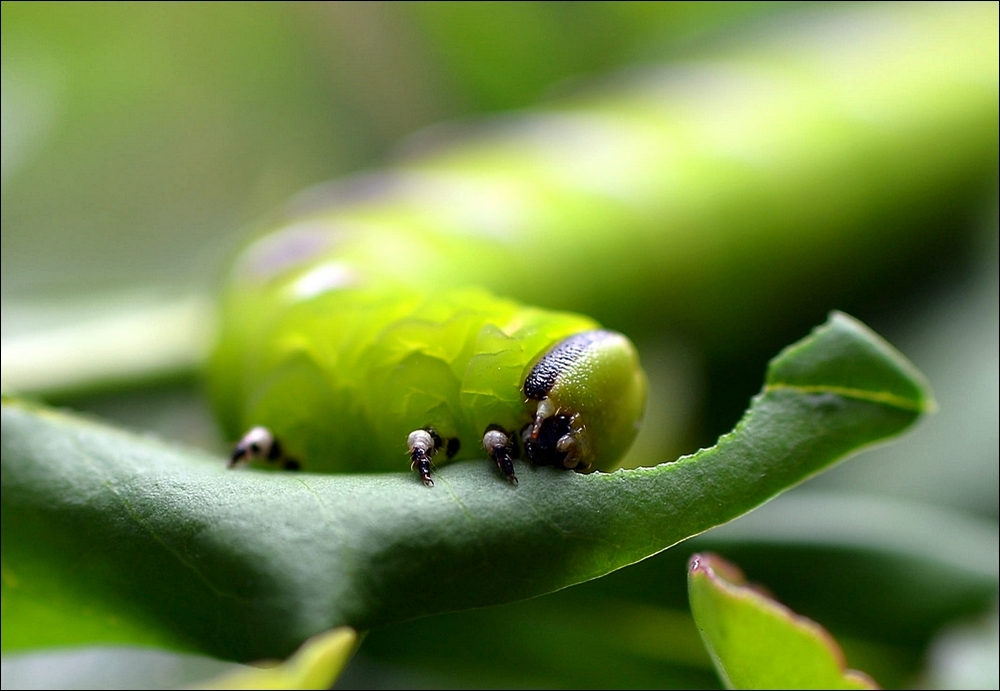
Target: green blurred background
<point x="140" y="141"/>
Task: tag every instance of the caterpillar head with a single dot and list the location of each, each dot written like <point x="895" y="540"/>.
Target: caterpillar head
<point x="591" y="395"/>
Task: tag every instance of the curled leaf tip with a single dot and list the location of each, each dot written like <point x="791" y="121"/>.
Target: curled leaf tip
<point x="845" y="358"/>
<point x="711" y="564"/>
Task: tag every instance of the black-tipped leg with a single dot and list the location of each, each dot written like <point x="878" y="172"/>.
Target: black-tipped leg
<point x="500" y="447"/>
<point x="422" y="444"/>
<point x="237" y="456"/>
<point x="257" y="444"/>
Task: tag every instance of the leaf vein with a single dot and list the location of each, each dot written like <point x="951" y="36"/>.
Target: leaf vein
<point x="883" y="397"/>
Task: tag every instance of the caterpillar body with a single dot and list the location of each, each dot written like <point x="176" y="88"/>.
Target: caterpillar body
<point x="333" y="368"/>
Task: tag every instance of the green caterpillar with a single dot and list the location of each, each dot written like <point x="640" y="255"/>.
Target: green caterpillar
<point x="334" y="368"/>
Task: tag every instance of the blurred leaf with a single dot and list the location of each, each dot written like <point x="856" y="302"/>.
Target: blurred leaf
<point x="315" y="665"/>
<point x="108" y="667"/>
<point x="95" y="343"/>
<point x="107" y="537"/>
<point x="965" y="655"/>
<point x="633" y="644"/>
<point x="137" y="136"/>
<point x="155" y="129"/>
<point x="504" y="55"/>
<point x="867" y="566"/>
<point x="719" y="196"/>
<point x="757" y="643"/>
<point x="955" y="340"/>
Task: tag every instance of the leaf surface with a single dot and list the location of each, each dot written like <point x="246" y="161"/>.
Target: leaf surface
<point x="110" y="537"/>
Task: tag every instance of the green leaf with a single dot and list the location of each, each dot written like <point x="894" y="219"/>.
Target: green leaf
<point x="758" y="643"/>
<point x="316" y="665"/>
<point x="108" y="537"/>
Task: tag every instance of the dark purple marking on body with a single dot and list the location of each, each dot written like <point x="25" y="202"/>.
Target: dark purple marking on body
<point x="547" y="370"/>
<point x="284" y="250"/>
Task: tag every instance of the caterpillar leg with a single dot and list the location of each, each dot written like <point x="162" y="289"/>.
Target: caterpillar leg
<point x="260" y="445"/>
<point x="422" y="444"/>
<point x="500" y="447"/>
<point x="556" y="440"/>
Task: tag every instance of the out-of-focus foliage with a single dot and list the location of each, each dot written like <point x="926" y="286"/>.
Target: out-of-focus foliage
<point x="315" y="665"/>
<point x="756" y="642"/>
<point x="139" y="139"/>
